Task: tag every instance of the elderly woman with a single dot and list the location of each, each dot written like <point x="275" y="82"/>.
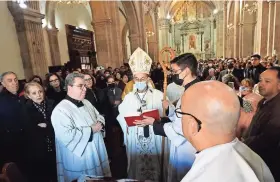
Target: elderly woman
<point x="40" y="134"/>
<point x="249" y="106"/>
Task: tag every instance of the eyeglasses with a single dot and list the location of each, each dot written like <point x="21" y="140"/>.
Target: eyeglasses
<point x="180" y="113"/>
<point x="52" y="81"/>
<point x="88" y="80"/>
<point x="81" y="86"/>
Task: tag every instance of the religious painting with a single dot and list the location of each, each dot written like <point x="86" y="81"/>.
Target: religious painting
<point x="192" y="42"/>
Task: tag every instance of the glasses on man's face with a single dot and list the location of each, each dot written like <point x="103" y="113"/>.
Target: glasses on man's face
<point x="140" y="79"/>
<point x="88" y="80"/>
<point x="53" y="81"/>
<point x="179" y="114"/>
<point x="81" y="86"/>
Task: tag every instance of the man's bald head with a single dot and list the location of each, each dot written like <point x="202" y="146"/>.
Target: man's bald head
<point x="216" y="105"/>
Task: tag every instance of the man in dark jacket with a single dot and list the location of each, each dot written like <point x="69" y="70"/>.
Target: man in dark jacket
<point x="257" y="67"/>
<point x="11" y="121"/>
<point x="263" y="135"/>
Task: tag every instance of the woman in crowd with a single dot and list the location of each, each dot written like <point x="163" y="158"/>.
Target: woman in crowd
<point x="37" y="79"/>
<point x="119" y="82"/>
<point x="40" y="135"/>
<point x="55" y="89"/>
<point x="250" y="101"/>
<point x="94" y="95"/>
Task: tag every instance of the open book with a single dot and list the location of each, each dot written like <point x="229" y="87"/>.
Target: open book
<point x="130" y="118"/>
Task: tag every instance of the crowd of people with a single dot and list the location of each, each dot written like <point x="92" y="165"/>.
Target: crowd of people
<point x="219" y="112"/>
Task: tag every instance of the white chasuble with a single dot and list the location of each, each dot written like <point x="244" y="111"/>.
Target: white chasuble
<point x="76" y="154"/>
<point x="182" y="153"/>
<point x="144" y="154"/>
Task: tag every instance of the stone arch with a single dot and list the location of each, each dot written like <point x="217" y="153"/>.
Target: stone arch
<point x="124" y="33"/>
<point x="134" y="23"/>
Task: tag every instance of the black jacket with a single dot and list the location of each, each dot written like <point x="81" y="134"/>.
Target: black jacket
<point x="41" y="141"/>
<point x="11" y="128"/>
<point x="96" y="98"/>
<point x="55" y="96"/>
<point x="256" y="71"/>
<point x="263" y="135"/>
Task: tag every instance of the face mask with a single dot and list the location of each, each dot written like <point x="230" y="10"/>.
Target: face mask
<point x="140" y="85"/>
<point x="106" y="75"/>
<point x="111" y="85"/>
<point x="177" y="80"/>
<point x="230" y="66"/>
<point x="210" y="65"/>
<point x="118" y="77"/>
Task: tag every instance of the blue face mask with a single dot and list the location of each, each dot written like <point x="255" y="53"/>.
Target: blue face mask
<point x="140" y="85"/>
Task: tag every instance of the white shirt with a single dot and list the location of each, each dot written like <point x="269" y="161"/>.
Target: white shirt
<point x="230" y="162"/>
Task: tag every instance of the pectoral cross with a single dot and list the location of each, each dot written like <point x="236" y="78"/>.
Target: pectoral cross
<point x="145" y="128"/>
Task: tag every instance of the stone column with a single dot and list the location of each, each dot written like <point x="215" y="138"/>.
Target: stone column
<point x="54" y="47"/>
<point x="107" y="33"/>
<point x="262" y="28"/>
<point x="225" y="30"/>
<point x="30" y="36"/>
<point x="236" y="29"/>
<point x="163" y="24"/>
<point x="270" y="28"/>
<point x="212" y="48"/>
<point x="276" y="28"/>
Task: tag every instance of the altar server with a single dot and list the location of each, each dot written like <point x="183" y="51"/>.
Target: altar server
<point x="78" y="132"/>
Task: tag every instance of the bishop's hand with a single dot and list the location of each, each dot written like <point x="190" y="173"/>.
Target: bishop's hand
<point x="146" y="121"/>
<point x="96" y="127"/>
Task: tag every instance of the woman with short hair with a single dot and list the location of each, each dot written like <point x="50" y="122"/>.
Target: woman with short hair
<point x="40" y="134"/>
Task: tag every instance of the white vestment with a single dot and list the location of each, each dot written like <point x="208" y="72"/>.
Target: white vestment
<point x="231" y="162"/>
<point x="174" y="92"/>
<point x="75" y="154"/>
<point x="182" y="153"/>
<point x="144" y="154"/>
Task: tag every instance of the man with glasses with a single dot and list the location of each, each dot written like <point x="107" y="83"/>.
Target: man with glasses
<point x="78" y="130"/>
<point x="211" y="129"/>
<point x="143" y="146"/>
<point x="182" y="153"/>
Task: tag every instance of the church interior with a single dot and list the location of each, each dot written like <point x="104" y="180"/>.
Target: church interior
<point x="153" y="56"/>
<point x="37" y="35"/>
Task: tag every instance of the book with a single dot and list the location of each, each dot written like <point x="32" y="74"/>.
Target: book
<point x="130" y="118"/>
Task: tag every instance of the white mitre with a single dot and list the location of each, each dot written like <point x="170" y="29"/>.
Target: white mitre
<point x="140" y="62"/>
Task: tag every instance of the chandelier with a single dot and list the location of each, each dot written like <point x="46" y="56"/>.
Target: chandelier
<point x="230" y="26"/>
<point x="21" y="3"/>
<point x="150" y="33"/>
<point x="251" y="9"/>
<point x="73" y="2"/>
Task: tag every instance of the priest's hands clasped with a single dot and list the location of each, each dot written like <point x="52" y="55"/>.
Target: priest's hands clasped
<point x="146" y="121"/>
<point x="96" y="127"/>
<point x="165" y="104"/>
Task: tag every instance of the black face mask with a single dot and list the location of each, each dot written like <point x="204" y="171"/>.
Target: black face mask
<point x="111" y="85"/>
<point x="230" y="66"/>
<point x="177" y="80"/>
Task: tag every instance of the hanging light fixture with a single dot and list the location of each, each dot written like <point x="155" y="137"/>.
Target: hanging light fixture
<point x="21" y="3"/>
<point x="73" y="2"/>
<point x="150" y="33"/>
<point x="251" y="9"/>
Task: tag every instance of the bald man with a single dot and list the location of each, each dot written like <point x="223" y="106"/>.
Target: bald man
<point x="210" y="129"/>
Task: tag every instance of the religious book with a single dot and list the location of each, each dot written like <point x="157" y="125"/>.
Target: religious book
<point x="130" y="118"/>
